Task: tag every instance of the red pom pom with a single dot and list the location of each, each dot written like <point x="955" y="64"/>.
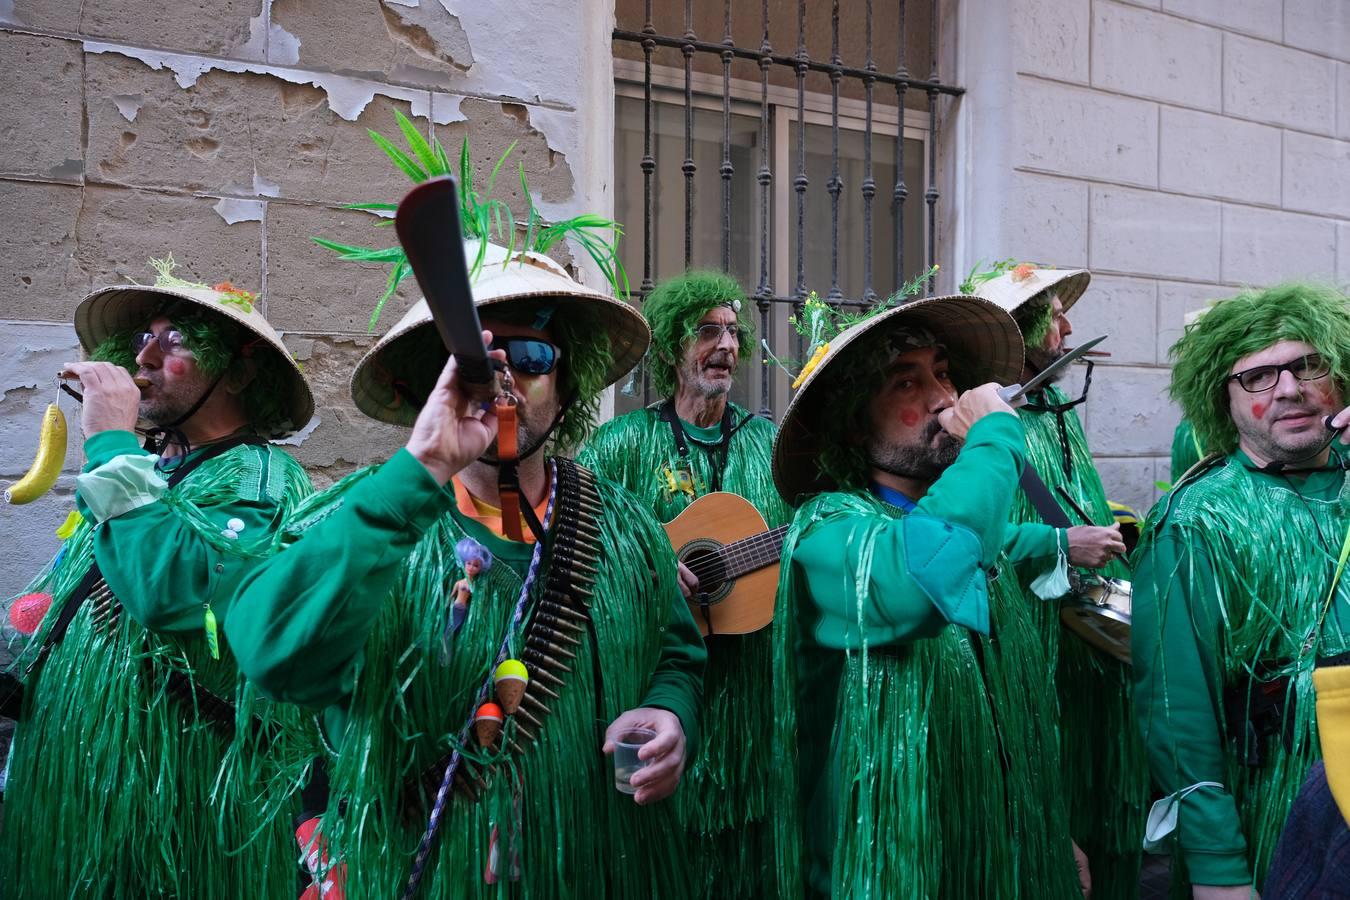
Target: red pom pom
<point x="26" y="613"/>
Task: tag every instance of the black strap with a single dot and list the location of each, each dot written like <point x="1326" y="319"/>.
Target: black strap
<point x="719" y="451"/>
<point x="1061" y="412"/>
<point x="1051" y="513"/>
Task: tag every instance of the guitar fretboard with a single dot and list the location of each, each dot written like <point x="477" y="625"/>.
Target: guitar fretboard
<point x="754" y="552"/>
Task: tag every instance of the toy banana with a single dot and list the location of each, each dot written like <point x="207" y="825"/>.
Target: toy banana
<point x="51" y="455"/>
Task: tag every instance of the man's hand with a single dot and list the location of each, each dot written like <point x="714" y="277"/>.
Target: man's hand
<point x="111" y="398"/>
<point x="1084" y="871"/>
<point x="970" y="407"/>
<point x="1224" y="892"/>
<point x="688" y="580"/>
<point x="452" y="431"/>
<point x="663" y="754"/>
<point x="1339" y="421"/>
<point x="1094" y="546"/>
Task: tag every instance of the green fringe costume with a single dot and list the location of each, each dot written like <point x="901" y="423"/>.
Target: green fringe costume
<point x="728" y="795"/>
<point x="1186" y="450"/>
<point x="927" y="758"/>
<point x="1105" y="770"/>
<point x="350" y="615"/>
<point x="1231" y="577"/>
<point x="116" y="789"/>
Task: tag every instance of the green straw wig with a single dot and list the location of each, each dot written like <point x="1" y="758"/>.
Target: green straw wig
<point x="674" y="309"/>
<point x="217" y="344"/>
<point x="1203" y="358"/>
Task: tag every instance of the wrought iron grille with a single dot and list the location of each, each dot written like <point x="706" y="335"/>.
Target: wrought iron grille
<point x="865" y="73"/>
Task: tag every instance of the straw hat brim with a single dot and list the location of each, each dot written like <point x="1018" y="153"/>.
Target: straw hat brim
<point x="112" y="310"/>
<point x="534" y="286"/>
<point x="981" y="338"/>
<point x="1010" y="295"/>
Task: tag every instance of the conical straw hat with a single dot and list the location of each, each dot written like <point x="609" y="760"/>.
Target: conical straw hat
<point x="980" y="337"/>
<point x="527" y="281"/>
<point x="1018" y="285"/>
<point x="116" y="309"/>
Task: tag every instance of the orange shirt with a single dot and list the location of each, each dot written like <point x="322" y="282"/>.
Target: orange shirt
<point x="489" y="516"/>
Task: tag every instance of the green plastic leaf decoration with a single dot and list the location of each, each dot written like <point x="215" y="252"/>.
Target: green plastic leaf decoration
<point x="482" y="216"/>
<point x="401" y="159"/>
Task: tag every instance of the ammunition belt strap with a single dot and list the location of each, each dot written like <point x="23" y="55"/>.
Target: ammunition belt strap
<point x="560" y="615"/>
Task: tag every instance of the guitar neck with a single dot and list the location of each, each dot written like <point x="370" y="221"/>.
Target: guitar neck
<point x="755" y="552"/>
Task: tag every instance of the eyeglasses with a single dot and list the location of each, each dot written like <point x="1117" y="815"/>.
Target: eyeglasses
<point x="1263" y="378"/>
<point x="529" y="356"/>
<point x="712" y="331"/>
<point x="170" y="341"/>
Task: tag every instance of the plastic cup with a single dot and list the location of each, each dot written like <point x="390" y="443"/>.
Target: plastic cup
<point x="626" y="762"/>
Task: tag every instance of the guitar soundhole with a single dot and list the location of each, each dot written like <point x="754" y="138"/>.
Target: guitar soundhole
<point x="708" y="563"/>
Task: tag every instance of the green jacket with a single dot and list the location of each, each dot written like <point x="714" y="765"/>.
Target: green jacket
<point x="1233" y="573"/>
<point x="103" y="752"/>
<point x="926" y="762"/>
<point x="350" y="616"/>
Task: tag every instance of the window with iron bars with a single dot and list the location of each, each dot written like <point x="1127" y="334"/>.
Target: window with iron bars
<point x="714" y="171"/>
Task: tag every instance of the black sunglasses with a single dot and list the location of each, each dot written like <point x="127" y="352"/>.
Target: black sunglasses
<point x="529" y="356"/>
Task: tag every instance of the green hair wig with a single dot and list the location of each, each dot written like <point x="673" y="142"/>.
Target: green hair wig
<point x="1035" y="317"/>
<point x="217" y="344"/>
<point x="1203" y="358"/>
<point x="673" y="311"/>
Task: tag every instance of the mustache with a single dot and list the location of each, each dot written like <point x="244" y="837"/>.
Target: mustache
<point x="718" y="358"/>
<point x="932" y="430"/>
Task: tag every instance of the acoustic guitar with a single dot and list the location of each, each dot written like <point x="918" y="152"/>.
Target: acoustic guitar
<point x="724" y="541"/>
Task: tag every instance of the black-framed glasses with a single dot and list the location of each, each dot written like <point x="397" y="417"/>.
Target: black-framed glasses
<point x="1262" y="378"/>
<point x="712" y="331"/>
<point x="528" y="356"/>
<point x="170" y="341"/>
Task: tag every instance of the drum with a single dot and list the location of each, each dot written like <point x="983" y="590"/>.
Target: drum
<point x="1099" y="612"/>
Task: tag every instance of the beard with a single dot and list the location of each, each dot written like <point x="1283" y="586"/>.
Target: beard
<point x="1038" y="359"/>
<point x="695" y="375"/>
<point x="923" y="460"/>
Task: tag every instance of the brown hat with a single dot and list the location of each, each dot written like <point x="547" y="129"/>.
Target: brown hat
<point x="112" y="310"/>
<point x="979" y="335"/>
<point x="528" y="282"/>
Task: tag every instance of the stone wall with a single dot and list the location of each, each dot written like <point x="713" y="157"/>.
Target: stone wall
<point x="1181" y="149"/>
<point x="228" y="132"/>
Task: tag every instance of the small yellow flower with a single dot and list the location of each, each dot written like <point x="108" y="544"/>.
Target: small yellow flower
<point x="810" y="365"/>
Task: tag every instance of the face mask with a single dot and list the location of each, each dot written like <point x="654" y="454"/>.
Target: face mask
<point x="1162" y="817"/>
<point x="1053" y="584"/>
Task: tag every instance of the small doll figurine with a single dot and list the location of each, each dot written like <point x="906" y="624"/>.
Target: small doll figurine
<point x="476" y="559"/>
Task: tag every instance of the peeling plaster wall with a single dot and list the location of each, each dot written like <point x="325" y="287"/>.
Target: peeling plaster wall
<point x="228" y="132"/>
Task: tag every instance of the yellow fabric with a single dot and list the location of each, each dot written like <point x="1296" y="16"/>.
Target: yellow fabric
<point x="1333" y="722"/>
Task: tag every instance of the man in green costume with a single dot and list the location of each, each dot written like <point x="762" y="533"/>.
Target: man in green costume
<point x="1105" y="771"/>
<point x="925" y="744"/>
<point x="432" y="781"/>
<point x="1238" y="591"/>
<point x="143" y="765"/>
<point x="693" y="442"/>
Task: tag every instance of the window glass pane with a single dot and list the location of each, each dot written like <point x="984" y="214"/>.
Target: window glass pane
<point x="851" y="245"/>
<point x="668" y="219"/>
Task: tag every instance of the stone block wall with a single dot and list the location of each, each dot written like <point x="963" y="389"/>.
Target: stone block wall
<point x="227" y="133"/>
<point x="1180" y="149"/>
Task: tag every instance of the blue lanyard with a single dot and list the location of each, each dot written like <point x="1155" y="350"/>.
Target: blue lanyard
<point x="893" y="497"/>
